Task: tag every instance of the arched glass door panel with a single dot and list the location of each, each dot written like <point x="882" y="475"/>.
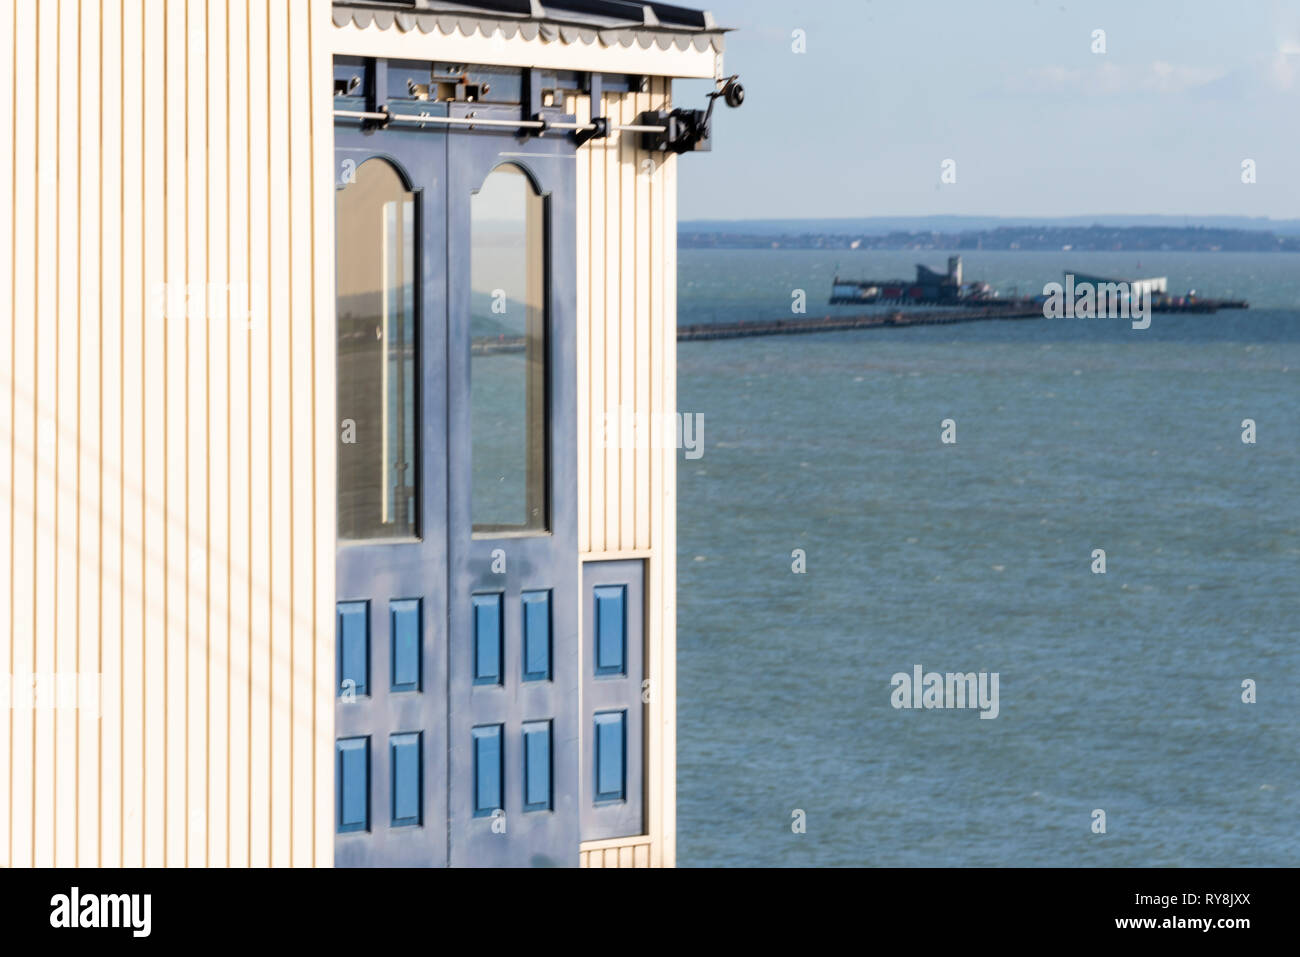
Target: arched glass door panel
<point x="377" y="357"/>
<point x="508" y="358"/>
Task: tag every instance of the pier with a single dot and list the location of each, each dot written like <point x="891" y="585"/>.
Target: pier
<point x="964" y="312"/>
<point x="1009" y="309"/>
<point x="791" y="327"/>
<point x="1019" y="309"/>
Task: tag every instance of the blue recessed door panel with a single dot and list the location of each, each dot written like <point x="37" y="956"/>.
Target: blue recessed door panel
<point x="611" y="629"/>
<point x="353" y="651"/>
<point x="487" y="639"/>
<point x="407" y="784"/>
<point x="353" y="784"/>
<point x="611" y="756"/>
<point x="405" y="626"/>
<point x="488" y="760"/>
<point x="537" y="635"/>
<point x="537" y="766"/>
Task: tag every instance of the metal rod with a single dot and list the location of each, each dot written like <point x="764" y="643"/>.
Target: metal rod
<point x="468" y="121"/>
<point x="427" y="118"/>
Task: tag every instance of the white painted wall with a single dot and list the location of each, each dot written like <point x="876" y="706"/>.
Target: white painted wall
<point x="166" y="476"/>
<point x="167" y="472"/>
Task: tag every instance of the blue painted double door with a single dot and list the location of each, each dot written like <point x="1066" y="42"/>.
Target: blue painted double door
<point x="457" y="710"/>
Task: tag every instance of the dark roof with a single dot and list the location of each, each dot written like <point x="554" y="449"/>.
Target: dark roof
<point x="611" y="20"/>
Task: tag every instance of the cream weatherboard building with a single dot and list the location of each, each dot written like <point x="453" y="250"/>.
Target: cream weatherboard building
<point x="314" y="547"/>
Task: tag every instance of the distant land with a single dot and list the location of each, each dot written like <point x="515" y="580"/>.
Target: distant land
<point x="974" y="233"/>
<point x="881" y="225"/>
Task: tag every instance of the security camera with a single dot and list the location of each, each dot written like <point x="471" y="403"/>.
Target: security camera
<point x="682" y="131"/>
<point x="733" y="94"/>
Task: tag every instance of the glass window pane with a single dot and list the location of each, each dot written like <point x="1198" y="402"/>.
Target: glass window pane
<point x="508" y="355"/>
<point x="376" y="355"/>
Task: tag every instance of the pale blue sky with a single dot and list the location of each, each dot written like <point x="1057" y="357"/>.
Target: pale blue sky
<point x="1037" y="123"/>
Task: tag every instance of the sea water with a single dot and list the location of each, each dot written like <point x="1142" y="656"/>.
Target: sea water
<point x="1119" y="692"/>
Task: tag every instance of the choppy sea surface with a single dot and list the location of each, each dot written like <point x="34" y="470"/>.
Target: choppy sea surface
<point x="1119" y="692"/>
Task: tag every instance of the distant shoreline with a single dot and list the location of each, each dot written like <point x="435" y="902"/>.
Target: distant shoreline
<point x="1101" y="239"/>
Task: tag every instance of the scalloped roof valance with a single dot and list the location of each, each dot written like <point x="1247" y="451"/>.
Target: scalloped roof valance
<point x="608" y="25"/>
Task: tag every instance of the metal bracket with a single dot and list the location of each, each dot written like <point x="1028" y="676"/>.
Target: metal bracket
<point x="683" y="131"/>
<point x="532" y="94"/>
<point x="599" y="128"/>
<point x="377" y="93"/>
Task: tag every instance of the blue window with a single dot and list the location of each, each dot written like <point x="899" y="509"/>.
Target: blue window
<point x="353" y="775"/>
<point x="611" y="629"/>
<point x="611" y="756"/>
<point x="488" y="766"/>
<point x="405" y="627"/>
<point x="537" y="635"/>
<point x="487" y="639"/>
<point x="537" y="766"/>
<point x="353" y="651"/>
<point x="406" y="784"/>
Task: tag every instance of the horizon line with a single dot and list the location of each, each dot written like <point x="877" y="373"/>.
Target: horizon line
<point x="1097" y="216"/>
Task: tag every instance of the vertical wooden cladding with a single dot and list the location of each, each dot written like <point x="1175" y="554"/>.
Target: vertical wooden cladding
<point x="166" y="400"/>
<point x="627" y="324"/>
<point x="629" y="853"/>
<point x="627" y="369"/>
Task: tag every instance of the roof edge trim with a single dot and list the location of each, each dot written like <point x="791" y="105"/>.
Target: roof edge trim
<point x="406" y="21"/>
